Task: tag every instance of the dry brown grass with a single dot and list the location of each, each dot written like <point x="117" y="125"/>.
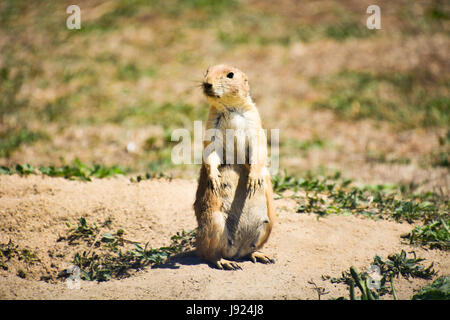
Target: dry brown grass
<point x="93" y="91"/>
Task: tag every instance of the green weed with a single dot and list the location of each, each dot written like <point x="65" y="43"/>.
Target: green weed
<point x="438" y="290"/>
<point x="78" y="170"/>
<point x="117" y="264"/>
<point x="400" y="264"/>
<point x="334" y="195"/>
<point x="379" y="279"/>
<point x="81" y="171"/>
<point x="284" y="181"/>
<point x="160" y="160"/>
<point x="107" y="258"/>
<point x="434" y="234"/>
<point x="10" y="251"/>
<point x="81" y="231"/>
<point x="24" y="170"/>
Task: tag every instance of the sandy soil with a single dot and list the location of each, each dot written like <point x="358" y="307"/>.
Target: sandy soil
<point x="33" y="212"/>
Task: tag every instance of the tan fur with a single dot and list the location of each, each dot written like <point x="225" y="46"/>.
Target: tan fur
<point x="234" y="202"/>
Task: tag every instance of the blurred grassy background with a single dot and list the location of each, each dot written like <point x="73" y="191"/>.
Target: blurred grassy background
<point x="373" y="104"/>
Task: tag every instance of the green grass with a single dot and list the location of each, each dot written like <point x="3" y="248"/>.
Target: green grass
<point x="107" y="257"/>
<point x="57" y="110"/>
<point x="12" y="139"/>
<point x="82" y="171"/>
<point x="400" y="264"/>
<point x="437" y="11"/>
<point x="81" y="231"/>
<point x="382" y="157"/>
<point x="303" y="146"/>
<point x="434" y="234"/>
<point x="15" y="113"/>
<point x="10" y="251"/>
<point x="125" y="10"/>
<point x="168" y="115"/>
<point x="254" y="30"/>
<point x="210" y="7"/>
<point x="78" y="170"/>
<point x="404" y="99"/>
<point x="348" y="29"/>
<point x="234" y="39"/>
<point x="109" y="21"/>
<point x="130" y="72"/>
<point x="378" y="280"/>
<point x="439" y="157"/>
<point x="334" y="195"/>
<point x="438" y="290"/>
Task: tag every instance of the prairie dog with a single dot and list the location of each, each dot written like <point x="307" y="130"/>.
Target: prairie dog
<point x="234" y="201"/>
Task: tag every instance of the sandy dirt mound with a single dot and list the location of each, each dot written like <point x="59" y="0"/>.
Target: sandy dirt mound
<point x="34" y="210"/>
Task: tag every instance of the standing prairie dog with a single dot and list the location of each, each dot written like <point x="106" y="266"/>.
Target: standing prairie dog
<point x="234" y="202"/>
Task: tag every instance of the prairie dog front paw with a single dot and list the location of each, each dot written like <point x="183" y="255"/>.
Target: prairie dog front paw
<point x="254" y="182"/>
<point x="214" y="180"/>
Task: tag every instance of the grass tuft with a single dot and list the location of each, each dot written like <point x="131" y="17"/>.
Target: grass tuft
<point x="78" y="170"/>
<point x="334" y="195"/>
<point x="378" y="280"/>
<point x="404" y="99"/>
<point x="10" y="253"/>
<point x="12" y="139"/>
<point x="106" y="258"/>
<point x="434" y="234"/>
<point x="438" y="290"/>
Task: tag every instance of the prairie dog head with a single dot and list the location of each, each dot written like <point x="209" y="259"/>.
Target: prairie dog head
<point x="226" y="85"/>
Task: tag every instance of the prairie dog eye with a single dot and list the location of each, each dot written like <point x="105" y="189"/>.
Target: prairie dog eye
<point x="230" y="75"/>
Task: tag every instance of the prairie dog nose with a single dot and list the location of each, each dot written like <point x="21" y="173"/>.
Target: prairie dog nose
<point x="208" y="89"/>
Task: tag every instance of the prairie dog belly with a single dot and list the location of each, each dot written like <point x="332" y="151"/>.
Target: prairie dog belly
<point x="246" y="218"/>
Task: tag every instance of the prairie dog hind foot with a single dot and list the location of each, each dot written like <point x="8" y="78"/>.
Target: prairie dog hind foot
<point x="261" y="257"/>
<point x="224" y="264"/>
